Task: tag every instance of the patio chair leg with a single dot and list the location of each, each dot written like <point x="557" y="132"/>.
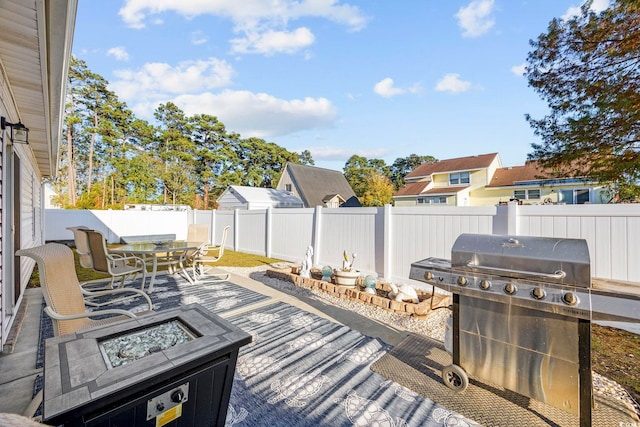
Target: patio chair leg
<point x="33" y="406"/>
<point x="216" y="277"/>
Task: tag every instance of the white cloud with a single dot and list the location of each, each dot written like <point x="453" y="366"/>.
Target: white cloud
<point x="328" y="153"/>
<point x="119" y="53"/>
<point x="597" y="6"/>
<point x="270" y="42"/>
<point x="159" y="78"/>
<point x="198" y="38"/>
<point x="260" y="114"/>
<point x="386" y="88"/>
<point x="519" y="70"/>
<point x="259" y="21"/>
<point x="475" y="19"/>
<point x="190" y="86"/>
<point x="452" y="83"/>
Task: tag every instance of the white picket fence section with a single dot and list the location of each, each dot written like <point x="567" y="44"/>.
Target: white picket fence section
<point x="386" y="240"/>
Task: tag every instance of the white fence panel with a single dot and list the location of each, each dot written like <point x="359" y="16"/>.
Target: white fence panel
<point x="114" y="224"/>
<point x="353" y="230"/>
<point x="220" y="220"/>
<point x="57" y="220"/>
<point x="424" y="232"/>
<point x="291" y="233"/>
<point x="205" y="217"/>
<point x="612" y="233"/>
<point x="252" y="231"/>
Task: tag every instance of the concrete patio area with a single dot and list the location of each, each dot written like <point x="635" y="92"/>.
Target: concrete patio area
<point x="18" y="360"/>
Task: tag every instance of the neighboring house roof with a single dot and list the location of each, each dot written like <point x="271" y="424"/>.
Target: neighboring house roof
<point x="452" y="189"/>
<point x="330" y="197"/>
<point x="313" y="184"/>
<point x="452" y="165"/>
<point x="531" y="171"/>
<point x="411" y="189"/>
<point x="277" y="198"/>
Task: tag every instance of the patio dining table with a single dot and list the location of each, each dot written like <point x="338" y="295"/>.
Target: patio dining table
<point x="169" y="251"/>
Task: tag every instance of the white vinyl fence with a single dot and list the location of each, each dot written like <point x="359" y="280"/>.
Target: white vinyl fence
<point x="386" y="240"/>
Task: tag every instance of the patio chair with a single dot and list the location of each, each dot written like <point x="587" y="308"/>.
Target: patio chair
<point x="196" y="233"/>
<point x="84" y="255"/>
<point x="117" y="266"/>
<point x="64" y="297"/>
<point x="203" y="257"/>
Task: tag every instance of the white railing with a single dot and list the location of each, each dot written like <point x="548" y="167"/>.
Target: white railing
<point x="387" y="240"/>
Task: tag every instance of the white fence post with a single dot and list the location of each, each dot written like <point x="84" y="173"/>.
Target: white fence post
<point x="212" y="225"/>
<point x="506" y="220"/>
<point x="512" y="218"/>
<point x="386" y="245"/>
<point x="268" y="232"/>
<point x="317" y="228"/>
<point x="236" y="229"/>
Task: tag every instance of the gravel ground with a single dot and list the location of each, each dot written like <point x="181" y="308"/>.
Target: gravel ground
<point x="433" y="326"/>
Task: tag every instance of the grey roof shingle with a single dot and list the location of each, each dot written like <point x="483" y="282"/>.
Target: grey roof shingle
<point x="315" y="183"/>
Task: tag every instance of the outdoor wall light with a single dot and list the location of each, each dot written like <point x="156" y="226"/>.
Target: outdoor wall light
<point x="19" y="132"/>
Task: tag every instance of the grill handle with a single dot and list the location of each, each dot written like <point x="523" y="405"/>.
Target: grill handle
<point x="557" y="275"/>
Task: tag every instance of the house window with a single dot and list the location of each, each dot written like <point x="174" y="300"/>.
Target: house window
<point x="575" y="197"/>
<point x="459" y="178"/>
<point x="438" y="200"/>
<point x="527" y="194"/>
<point x="287" y="187"/>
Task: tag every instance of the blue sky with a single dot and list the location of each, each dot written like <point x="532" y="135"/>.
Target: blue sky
<point x="378" y="78"/>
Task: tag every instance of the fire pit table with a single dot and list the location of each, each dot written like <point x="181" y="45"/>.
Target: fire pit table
<point x="169" y="368"/>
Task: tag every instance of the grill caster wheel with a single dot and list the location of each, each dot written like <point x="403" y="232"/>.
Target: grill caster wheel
<point x="455" y="378"/>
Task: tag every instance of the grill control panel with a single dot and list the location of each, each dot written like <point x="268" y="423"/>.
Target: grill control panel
<point x="565" y="300"/>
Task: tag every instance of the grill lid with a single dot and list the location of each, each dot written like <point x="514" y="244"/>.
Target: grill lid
<point x="556" y="260"/>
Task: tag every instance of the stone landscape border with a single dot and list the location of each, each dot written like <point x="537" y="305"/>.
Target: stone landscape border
<point x="357" y="293"/>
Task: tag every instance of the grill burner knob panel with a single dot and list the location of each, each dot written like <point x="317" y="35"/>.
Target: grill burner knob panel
<point x="462" y="281"/>
<point x="538" y="293"/>
<point x="570" y="298"/>
<point x="510" y="288"/>
<point x="485" y="284"/>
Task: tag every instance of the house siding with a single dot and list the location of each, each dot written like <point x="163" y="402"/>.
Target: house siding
<point x="285" y="180"/>
<point x="2" y="227"/>
<point x="229" y="201"/>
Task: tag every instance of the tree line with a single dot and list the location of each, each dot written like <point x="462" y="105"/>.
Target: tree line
<point x="109" y="157"/>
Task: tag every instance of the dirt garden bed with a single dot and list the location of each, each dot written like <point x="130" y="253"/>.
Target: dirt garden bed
<point x="357" y="293"/>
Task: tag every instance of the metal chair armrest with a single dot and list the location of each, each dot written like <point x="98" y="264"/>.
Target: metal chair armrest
<point x="57" y="316"/>
<point x="141" y="293"/>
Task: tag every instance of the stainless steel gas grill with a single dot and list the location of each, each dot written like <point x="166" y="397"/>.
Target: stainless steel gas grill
<point x="522" y="312"/>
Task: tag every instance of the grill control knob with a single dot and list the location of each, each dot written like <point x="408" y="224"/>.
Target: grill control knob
<point x="428" y="275"/>
<point x="485" y="284"/>
<point x="538" y="293"/>
<point x="462" y="281"/>
<point x="570" y="298"/>
<point x="510" y="288"/>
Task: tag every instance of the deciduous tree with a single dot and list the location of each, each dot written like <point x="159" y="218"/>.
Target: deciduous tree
<point x="587" y="69"/>
<point x="379" y="189"/>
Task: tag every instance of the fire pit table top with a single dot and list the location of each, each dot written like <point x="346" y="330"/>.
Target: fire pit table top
<point x="77" y="372"/>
